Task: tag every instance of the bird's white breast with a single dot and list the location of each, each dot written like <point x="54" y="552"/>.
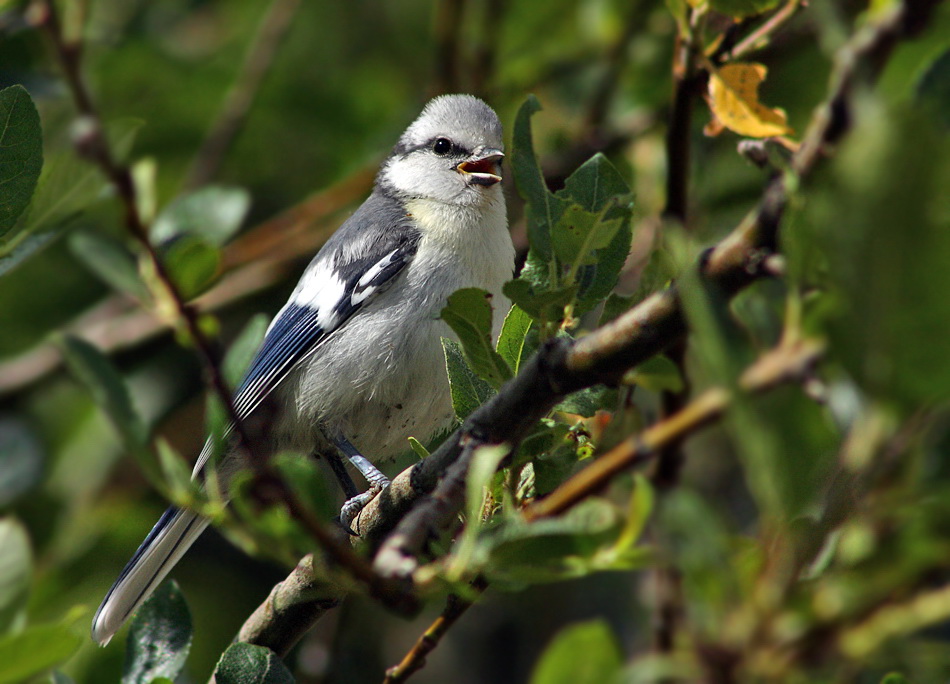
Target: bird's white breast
<point x="381" y="377"/>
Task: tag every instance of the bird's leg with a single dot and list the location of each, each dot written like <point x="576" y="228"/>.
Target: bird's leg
<point x="339" y="472"/>
<point x="377" y="481"/>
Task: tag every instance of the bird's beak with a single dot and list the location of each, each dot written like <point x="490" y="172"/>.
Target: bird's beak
<point x="484" y="169"/>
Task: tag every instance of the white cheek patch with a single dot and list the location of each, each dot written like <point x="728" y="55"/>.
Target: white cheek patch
<point x="321" y="289"/>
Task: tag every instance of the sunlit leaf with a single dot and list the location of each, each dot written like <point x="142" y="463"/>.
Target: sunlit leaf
<point x="16" y="563"/>
<point x="511" y="340"/>
<point x="213" y="213"/>
<point x="469" y="313"/>
<point x="193" y="265"/>
<point x="468" y="390"/>
<point x="584" y="653"/>
<point x="734" y="99"/>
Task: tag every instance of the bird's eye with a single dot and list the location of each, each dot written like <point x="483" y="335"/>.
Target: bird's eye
<point x="442" y="146"/>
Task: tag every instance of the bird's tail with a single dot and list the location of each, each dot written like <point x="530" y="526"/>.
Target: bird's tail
<point x="164" y="546"/>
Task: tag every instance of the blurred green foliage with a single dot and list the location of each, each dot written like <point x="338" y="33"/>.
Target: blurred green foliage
<point x="805" y="538"/>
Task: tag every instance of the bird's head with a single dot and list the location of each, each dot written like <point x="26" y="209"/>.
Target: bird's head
<point x="452" y="153"/>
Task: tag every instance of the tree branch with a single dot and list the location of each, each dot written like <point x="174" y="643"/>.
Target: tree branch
<point x="269" y="487"/>
<point x="270" y="36"/>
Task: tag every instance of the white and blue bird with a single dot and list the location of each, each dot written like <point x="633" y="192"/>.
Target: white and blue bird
<point x="353" y="363"/>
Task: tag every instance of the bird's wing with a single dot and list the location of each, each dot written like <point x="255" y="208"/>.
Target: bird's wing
<point x="337" y="284"/>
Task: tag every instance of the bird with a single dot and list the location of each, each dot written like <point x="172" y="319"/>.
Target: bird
<point x="353" y="365"/>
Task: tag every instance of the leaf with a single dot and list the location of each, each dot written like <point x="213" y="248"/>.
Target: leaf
<point x="543" y="208"/>
<point x="734" y="99"/>
<point x="511" y="340"/>
<point x="94" y="370"/>
<point x="741" y="9"/>
<point x="485" y="462"/>
<point x="538" y="303"/>
<point x="22" y="247"/>
<point x="192" y="264"/>
<point x="21" y="467"/>
<point x="246" y="664"/>
<point x="878" y="217"/>
<point x="35" y="650"/>
<point x="110" y="261"/>
<point x="160" y="637"/>
<point x="242" y="350"/>
<point x="933" y="89"/>
<point x="469" y="314"/>
<point x="16" y="563"/>
<point x="657" y="374"/>
<point x="468" y="390"/>
<point x="588" y="401"/>
<point x="213" y="213"/>
<point x="21" y="154"/>
<point x="418" y="448"/>
<point x="584" y="653"/>
<point x="552" y="549"/>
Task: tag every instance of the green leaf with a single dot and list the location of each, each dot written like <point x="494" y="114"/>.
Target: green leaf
<point x="307" y="480"/>
<point x="110" y="260"/>
<point x="160" y="637"/>
<point x="511" y="340"/>
<point x="213" y="213"/>
<point x="192" y="265"/>
<point x="21" y="153"/>
<point x="657" y="374"/>
<point x="743" y="8"/>
<point x="418" y="448"/>
<point x="593" y="236"/>
<point x="175" y="472"/>
<point x="895" y="678"/>
<point x="22" y="247"/>
<point x="887" y="302"/>
<point x="246" y="664"/>
<point x="543" y="209"/>
<point x="933" y="89"/>
<point x="551" y="549"/>
<point x="584" y="653"/>
<point x="469" y="314"/>
<point x="595" y="185"/>
<point x="35" y="650"/>
<point x="243" y="349"/>
<point x="468" y="390"/>
<point x="588" y="401"/>
<point x="21" y="467"/>
<point x="57" y="677"/>
<point x="16" y="563"/>
<point x="94" y="370"/>
<point x="540" y="304"/>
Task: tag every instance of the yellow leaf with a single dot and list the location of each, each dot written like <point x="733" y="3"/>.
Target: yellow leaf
<point x="734" y="99"/>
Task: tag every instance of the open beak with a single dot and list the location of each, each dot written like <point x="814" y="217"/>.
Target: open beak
<point x="485" y="169"/>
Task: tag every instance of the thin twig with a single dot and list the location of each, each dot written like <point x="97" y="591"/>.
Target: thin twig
<point x="605" y="354"/>
<point x="760" y="37"/>
<point x="277" y="20"/>
<point x="415" y="658"/>
<point x="95" y="146"/>
<point x="783" y="364"/>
